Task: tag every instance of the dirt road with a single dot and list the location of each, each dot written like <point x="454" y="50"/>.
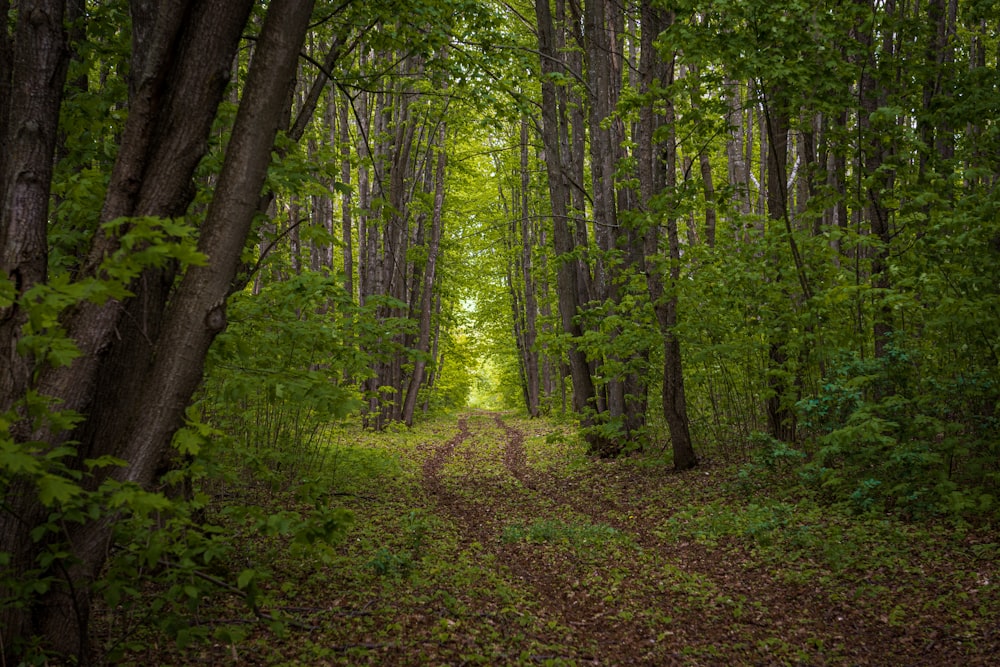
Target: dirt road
<point x="494" y="540"/>
<point x="607" y="583"/>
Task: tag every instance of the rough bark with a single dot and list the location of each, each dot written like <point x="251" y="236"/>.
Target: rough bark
<point x="186" y="68"/>
<point x="555" y="140"/>
<point x="33" y="62"/>
<point x="145" y="421"/>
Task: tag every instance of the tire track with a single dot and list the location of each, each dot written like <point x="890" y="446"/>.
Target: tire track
<point x="515" y="458"/>
<point x="558" y="577"/>
<point x="743" y="602"/>
<point x="699" y="588"/>
<point x="435" y="463"/>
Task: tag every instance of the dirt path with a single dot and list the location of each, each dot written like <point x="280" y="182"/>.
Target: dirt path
<point x="492" y="540"/>
<point x="630" y="595"/>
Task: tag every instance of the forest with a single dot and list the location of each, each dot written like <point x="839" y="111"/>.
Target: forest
<point x="558" y="332"/>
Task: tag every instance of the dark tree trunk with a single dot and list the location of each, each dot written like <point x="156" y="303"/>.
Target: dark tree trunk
<point x="780" y="416"/>
<point x="657" y="171"/>
<point x="33" y="62"/>
<point x="568" y="283"/>
<point x="872" y="95"/>
<point x="179" y="84"/>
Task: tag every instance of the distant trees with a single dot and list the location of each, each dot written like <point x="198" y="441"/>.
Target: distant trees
<point x="607" y="232"/>
<point x="778" y="173"/>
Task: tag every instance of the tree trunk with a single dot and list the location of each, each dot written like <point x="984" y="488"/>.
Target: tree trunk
<point x="872" y="95"/>
<point x="426" y="300"/>
<point x="739" y="172"/>
<point x="346" y="201"/>
<point x="568" y="283"/>
<point x="657" y="171"/>
<point x="33" y="64"/>
<point x="531" y="371"/>
<point x="781" y="418"/>
<point x="139" y="427"/>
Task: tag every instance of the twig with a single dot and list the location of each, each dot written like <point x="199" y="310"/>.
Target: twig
<point x="229" y="588"/>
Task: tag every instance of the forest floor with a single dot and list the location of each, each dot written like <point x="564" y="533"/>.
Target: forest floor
<point x="491" y="539"/>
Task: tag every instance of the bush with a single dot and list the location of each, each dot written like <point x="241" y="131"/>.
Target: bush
<point x="892" y="433"/>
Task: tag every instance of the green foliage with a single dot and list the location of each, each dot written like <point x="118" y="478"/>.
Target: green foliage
<point x="285" y="368"/>
<point x="170" y="556"/>
<point x="386" y="562"/>
<point x="176" y="551"/>
<point x="893" y="433"/>
<point x="549" y="530"/>
<point x="772" y="463"/>
<point x="158" y="539"/>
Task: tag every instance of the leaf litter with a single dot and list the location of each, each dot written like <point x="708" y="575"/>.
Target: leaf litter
<point x="502" y="544"/>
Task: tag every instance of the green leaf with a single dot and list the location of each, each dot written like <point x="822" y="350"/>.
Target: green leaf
<point x="245" y="578"/>
<point x="188" y="441"/>
<point x="52" y="489"/>
<point x="14" y="459"/>
<point x="7" y="292"/>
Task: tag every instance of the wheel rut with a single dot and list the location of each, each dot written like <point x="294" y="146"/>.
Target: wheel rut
<point x="481" y="480"/>
<point x="640" y="598"/>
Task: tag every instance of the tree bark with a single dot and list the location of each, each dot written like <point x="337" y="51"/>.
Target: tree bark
<point x="568" y="283"/>
<point x="139" y="427"/>
<point x="33" y="63"/>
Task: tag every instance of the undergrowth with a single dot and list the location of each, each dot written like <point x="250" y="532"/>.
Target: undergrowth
<point x="712" y="566"/>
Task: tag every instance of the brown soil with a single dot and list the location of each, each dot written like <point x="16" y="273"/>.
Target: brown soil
<point x="535" y="556"/>
<point x="727" y="608"/>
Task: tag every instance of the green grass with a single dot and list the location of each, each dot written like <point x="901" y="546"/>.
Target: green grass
<point x="596" y="560"/>
<point x="549" y="530"/>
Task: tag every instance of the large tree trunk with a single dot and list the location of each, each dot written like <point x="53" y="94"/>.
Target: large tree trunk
<point x="181" y="65"/>
<point x="33" y="64"/>
<point x="656" y="166"/>
<point x="568" y="283"/>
